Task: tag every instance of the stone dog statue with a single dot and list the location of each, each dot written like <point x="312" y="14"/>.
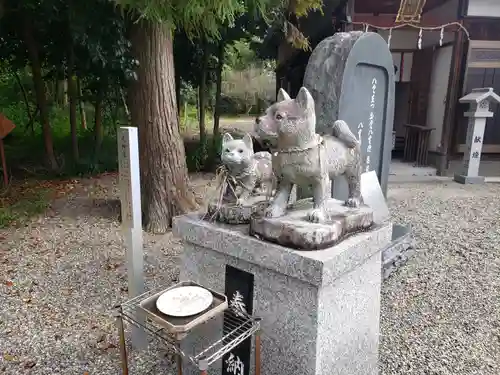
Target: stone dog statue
<point x="249" y="172"/>
<point x="304" y="158"/>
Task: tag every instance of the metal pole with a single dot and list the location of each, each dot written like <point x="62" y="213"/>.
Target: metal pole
<point x="123" y="348"/>
<point x="203" y="366"/>
<point x="179" y="364"/>
<point x="257" y="350"/>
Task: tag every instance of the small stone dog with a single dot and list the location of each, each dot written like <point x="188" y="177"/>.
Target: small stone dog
<point x="303" y="157"/>
<point x="249" y="172"/>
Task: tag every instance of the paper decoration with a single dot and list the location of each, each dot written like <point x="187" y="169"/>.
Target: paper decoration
<point x="410" y="11"/>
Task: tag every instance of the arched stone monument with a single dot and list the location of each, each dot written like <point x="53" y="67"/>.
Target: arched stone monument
<point x="351" y="78"/>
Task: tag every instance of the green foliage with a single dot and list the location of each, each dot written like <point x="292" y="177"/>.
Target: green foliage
<point x="24" y="151"/>
<point x="196" y="17"/>
<point x="239" y="55"/>
<point x="104" y="56"/>
<point x="95" y="31"/>
<point x="203" y="157"/>
<point x="24" y="147"/>
<point x="248" y="91"/>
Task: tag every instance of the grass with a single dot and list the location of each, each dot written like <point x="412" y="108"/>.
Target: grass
<point x="16" y="209"/>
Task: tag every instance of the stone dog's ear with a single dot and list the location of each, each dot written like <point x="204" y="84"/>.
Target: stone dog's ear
<point x="226" y="138"/>
<point x="282" y="95"/>
<point x="247" y="140"/>
<point x="304" y="99"/>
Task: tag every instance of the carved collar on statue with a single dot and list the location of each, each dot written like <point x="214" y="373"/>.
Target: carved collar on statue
<point x="316" y="142"/>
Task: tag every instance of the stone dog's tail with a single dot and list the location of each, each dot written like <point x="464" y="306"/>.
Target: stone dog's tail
<point x="343" y="133"/>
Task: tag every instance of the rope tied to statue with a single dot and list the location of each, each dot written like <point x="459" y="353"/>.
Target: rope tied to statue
<point x="225" y="180"/>
<point x="318" y="143"/>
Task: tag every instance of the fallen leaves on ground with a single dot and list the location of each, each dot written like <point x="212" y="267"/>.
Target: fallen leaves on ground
<point x="8" y="357"/>
<point x="29" y="364"/>
<point x="29" y="188"/>
<point x="24" y="199"/>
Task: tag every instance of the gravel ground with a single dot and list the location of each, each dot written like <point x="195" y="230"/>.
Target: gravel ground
<point x="441" y="313"/>
<point x="61" y="275"/>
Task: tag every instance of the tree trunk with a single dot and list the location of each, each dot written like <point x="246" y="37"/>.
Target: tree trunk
<point x="164" y="177"/>
<point x="72" y="96"/>
<point x="218" y="88"/>
<point x="202" y="93"/>
<point x="25" y="95"/>
<point x="98" y="130"/>
<point x="39" y="86"/>
<point x="81" y="104"/>
<point x="62" y="89"/>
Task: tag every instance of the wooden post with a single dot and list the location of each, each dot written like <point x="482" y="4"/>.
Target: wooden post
<point x="4" y="164"/>
<point x="450" y="126"/>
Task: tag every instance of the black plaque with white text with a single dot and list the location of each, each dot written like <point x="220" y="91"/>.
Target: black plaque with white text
<point x="239" y="291"/>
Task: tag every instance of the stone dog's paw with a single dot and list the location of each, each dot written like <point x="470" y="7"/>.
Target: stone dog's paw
<point x="316" y="216"/>
<point x="353" y="202"/>
<point x="274" y="211"/>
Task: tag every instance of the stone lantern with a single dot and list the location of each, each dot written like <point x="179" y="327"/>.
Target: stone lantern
<point x="479" y="110"/>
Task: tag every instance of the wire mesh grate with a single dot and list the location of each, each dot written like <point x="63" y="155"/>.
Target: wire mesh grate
<point x="236" y="327"/>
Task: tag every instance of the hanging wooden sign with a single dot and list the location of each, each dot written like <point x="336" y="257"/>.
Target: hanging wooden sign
<point x="6" y="126"/>
<point x="410" y="11"/>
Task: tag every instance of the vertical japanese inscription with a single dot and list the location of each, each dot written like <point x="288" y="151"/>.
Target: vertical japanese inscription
<point x="239" y="290"/>
<point x="124" y="176"/>
<point x="371" y="120"/>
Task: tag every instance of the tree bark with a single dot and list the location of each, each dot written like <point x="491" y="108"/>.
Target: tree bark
<point x="39" y="86"/>
<point x="81" y="104"/>
<point x="178" y="94"/>
<point x="218" y="89"/>
<point x="25" y="95"/>
<point x="62" y="89"/>
<point x="202" y="93"/>
<point x="72" y="100"/>
<point x="98" y="130"/>
<point x="164" y="177"/>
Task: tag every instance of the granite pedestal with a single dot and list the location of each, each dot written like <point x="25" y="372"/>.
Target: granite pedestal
<point x="320" y="309"/>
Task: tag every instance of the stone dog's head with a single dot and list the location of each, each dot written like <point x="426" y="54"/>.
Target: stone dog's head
<point x="287" y="118"/>
<point x="237" y="152"/>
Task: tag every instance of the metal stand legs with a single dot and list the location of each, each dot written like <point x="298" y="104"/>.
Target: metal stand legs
<point x="179" y="364"/>
<point x="123" y="348"/>
<point x="257" y="352"/>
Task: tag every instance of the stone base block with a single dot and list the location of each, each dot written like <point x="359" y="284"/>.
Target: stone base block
<point x="399" y="250"/>
<point x="231" y="213"/>
<point x="320" y="310"/>
<point x="461" y="179"/>
<point x="295" y="231"/>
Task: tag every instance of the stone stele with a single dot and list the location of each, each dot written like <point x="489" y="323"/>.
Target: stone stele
<point x="295" y="231"/>
<point x="232" y="213"/>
